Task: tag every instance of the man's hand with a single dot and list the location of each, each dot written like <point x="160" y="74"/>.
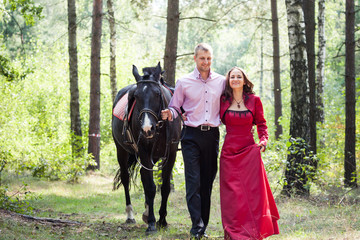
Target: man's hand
<point x="166" y="114"/>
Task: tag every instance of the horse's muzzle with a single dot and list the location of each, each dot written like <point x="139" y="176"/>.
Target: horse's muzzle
<point x="148" y="132"/>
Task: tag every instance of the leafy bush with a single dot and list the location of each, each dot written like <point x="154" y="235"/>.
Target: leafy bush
<point x="18" y="201"/>
<point x="301" y="167"/>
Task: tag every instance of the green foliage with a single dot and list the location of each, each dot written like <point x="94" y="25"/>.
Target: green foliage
<point x="301" y="167"/>
<point x="18" y="201"/>
<point x="28" y="9"/>
<point x="9" y="72"/>
<point x="34" y="125"/>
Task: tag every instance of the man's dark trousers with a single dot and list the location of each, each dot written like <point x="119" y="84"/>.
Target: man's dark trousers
<point x="200" y="150"/>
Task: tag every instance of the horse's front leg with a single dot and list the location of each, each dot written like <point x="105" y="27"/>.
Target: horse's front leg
<point x="150" y="191"/>
<point x="165" y="188"/>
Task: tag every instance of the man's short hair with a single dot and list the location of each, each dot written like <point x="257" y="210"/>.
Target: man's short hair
<point x="203" y="46"/>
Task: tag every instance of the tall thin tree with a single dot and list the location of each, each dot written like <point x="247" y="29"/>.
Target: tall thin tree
<point x="309" y="17"/>
<point x="276" y="68"/>
<point x="261" y="92"/>
<point x="111" y="18"/>
<point x="295" y="173"/>
<point x="94" y="121"/>
<point x="350" y="135"/>
<point x="172" y="31"/>
<point x="76" y="133"/>
<point x="320" y="76"/>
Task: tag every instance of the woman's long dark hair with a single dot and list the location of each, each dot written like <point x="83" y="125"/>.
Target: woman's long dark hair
<point x="248" y="86"/>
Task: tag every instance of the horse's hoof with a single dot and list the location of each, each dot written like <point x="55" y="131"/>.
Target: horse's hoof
<point x="130" y="221"/>
<point x="145" y="218"/>
<point x="151" y="229"/>
<point x="162" y="224"/>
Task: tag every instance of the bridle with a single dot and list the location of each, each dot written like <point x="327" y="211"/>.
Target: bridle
<point x="159" y="125"/>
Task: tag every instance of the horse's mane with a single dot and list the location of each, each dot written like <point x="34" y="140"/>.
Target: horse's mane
<point x="148" y="71"/>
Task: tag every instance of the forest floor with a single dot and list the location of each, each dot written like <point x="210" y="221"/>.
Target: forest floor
<point x="91" y="210"/>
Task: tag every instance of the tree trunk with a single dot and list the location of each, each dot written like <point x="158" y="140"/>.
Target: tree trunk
<point x="172" y="30"/>
<point x="321" y="63"/>
<point x="94" y="122"/>
<point x="261" y="61"/>
<point x="350" y="137"/>
<point x="112" y="49"/>
<point x="309" y="17"/>
<point x="299" y="122"/>
<point x="276" y="70"/>
<point x="76" y="134"/>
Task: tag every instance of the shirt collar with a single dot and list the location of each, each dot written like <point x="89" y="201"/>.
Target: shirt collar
<point x="198" y="75"/>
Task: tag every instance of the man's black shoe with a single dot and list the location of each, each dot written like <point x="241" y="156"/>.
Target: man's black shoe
<point x="195" y="236"/>
<point x="199" y="236"/>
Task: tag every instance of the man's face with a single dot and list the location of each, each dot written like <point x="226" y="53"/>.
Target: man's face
<point x="203" y="60"/>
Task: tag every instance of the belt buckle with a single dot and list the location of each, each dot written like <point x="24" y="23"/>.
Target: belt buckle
<point x="204" y="127"/>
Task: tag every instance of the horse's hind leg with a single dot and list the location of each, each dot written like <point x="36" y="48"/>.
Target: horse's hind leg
<point x="165" y="188"/>
<point x="123" y="158"/>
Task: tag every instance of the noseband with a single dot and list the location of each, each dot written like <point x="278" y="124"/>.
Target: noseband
<point x="160" y="122"/>
<point x="159" y="125"/>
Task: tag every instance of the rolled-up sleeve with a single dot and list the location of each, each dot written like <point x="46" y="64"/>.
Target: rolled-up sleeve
<point x="177" y="100"/>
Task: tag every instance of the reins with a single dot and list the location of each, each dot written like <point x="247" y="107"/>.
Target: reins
<point x="159" y="125"/>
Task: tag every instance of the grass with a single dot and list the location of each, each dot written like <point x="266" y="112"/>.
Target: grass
<point x="101" y="212"/>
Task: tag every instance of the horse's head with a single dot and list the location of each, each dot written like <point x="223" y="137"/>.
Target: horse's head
<point x="148" y="99"/>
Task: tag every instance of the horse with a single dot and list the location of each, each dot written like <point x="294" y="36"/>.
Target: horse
<point x="142" y="139"/>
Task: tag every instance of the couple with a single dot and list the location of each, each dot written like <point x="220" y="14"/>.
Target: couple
<point x="248" y="208"/>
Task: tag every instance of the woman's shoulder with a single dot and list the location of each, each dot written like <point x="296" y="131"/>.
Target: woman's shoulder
<point x="252" y="96"/>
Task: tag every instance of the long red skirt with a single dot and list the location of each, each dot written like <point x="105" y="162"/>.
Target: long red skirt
<point x="248" y="207"/>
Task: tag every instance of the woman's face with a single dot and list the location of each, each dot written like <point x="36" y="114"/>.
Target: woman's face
<point x="236" y="79"/>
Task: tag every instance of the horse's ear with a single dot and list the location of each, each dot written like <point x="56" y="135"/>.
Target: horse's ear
<point x="158" y="71"/>
<point x="136" y="73"/>
<point x="158" y="68"/>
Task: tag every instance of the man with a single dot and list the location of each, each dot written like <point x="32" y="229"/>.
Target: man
<point x="198" y="93"/>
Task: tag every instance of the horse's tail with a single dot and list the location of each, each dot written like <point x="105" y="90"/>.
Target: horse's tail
<point x="132" y="169"/>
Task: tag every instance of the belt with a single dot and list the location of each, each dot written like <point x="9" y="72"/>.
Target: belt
<point x="205" y="128"/>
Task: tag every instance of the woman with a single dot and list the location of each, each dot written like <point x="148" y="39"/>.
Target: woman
<point x="248" y="208"/>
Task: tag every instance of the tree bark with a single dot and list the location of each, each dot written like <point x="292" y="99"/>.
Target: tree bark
<point x="110" y="7"/>
<point x="309" y="17"/>
<point x="76" y="133"/>
<point x="261" y="61"/>
<point x="276" y="68"/>
<point x="299" y="126"/>
<point x="350" y="137"/>
<point x="299" y="122"/>
<point x="321" y="63"/>
<point x="172" y="30"/>
<point x="94" y="122"/>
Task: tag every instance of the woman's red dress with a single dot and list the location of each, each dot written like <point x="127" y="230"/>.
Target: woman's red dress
<point x="248" y="208"/>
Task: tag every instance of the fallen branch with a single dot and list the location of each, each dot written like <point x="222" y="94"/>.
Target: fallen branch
<point x="52" y="220"/>
<point x="343" y="197"/>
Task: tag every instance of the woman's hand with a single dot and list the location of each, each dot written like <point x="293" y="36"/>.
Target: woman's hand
<point x="262" y="147"/>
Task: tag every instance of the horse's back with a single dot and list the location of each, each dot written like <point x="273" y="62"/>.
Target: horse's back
<point x="117" y="120"/>
<point x="121" y="93"/>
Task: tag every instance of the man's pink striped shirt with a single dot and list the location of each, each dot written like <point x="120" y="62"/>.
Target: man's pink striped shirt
<point x="199" y="98"/>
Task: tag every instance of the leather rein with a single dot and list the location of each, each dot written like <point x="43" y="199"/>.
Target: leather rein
<point x="160" y="123"/>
